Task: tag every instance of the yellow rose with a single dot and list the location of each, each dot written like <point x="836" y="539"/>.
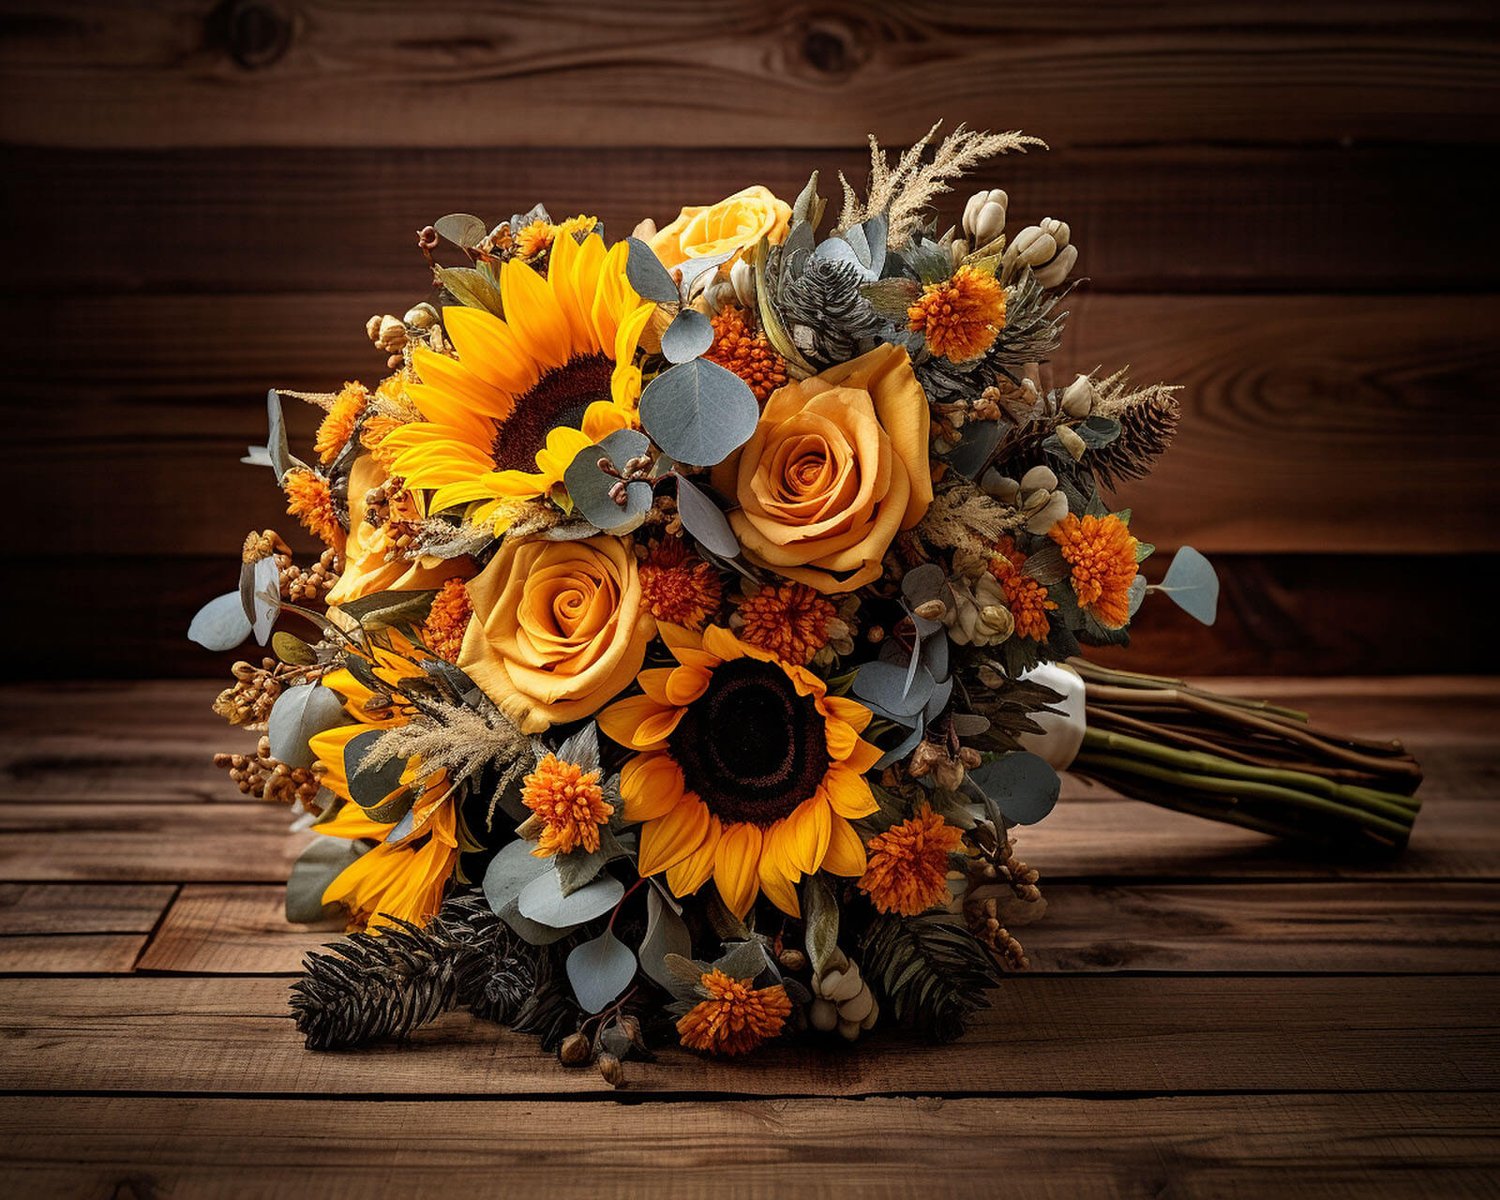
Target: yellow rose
<point x="559" y="628"/>
<point x="366" y="570"/>
<point x="733" y="224"/>
<point x="835" y="468"/>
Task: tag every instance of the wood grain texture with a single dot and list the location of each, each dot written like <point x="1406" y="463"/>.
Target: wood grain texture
<point x="1087" y="1035"/>
<point x="1435" y="1145"/>
<point x="1162" y="217"/>
<point x="167" y="391"/>
<point x="84" y="74"/>
<point x="1315" y="927"/>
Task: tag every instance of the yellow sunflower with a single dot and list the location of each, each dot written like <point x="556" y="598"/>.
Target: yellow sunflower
<point x="503" y="421"/>
<point x="401" y="877"/>
<point x="748" y="771"/>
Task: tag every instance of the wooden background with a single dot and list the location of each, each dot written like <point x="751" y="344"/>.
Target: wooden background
<point x="1278" y="206"/>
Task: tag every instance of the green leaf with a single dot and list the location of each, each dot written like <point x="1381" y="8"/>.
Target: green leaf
<point x="391" y="610"/>
<point x="280" y="454"/>
<point x="320" y="864"/>
<point x="702" y="518"/>
<point x="743" y="960"/>
<point x="298" y="715"/>
<point x="821" y="913"/>
<point x="599" y="970"/>
<point x="370" y="786"/>
<point x="542" y="900"/>
<point x="591" y="488"/>
<point x="666" y="934"/>
<point x="689" y="335"/>
<point x="1021" y="787"/>
<point x="808" y="207"/>
<point x="260" y="588"/>
<point x="472" y="289"/>
<point x="292" y="650"/>
<point x="1047" y="565"/>
<point x="504" y="879"/>
<point x="221" y="624"/>
<point x="646" y="274"/>
<point x="698" y="412"/>
<point x="891" y="298"/>
<point x="1193" y="585"/>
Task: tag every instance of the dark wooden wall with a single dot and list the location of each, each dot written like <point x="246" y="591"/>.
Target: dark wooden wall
<point x="1283" y="207"/>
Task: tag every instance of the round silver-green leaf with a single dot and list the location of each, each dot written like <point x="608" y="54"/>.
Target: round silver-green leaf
<point x="698" y="412"/>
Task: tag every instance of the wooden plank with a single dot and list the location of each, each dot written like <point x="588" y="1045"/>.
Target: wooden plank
<point x="82" y="74"/>
<point x="1084" y="1035"/>
<point x="1278" y="614"/>
<point x="1145" y="217"/>
<point x="1286" y="441"/>
<point x="1410" y="928"/>
<point x="1438" y="1145"/>
<point x="31" y="908"/>
<point x="70" y="954"/>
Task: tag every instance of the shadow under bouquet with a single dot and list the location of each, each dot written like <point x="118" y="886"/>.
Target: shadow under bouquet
<point x="668" y="675"/>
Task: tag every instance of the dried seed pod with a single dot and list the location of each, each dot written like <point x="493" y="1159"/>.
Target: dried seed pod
<point x="984" y="216"/>
<point x="421" y="316"/>
<point x="1071" y="442"/>
<point x="611" y="1069"/>
<point x="1078" y="397"/>
<point x="574" y="1050"/>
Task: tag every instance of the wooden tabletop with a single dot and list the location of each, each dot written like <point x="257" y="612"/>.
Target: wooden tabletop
<point x="1207" y="1013"/>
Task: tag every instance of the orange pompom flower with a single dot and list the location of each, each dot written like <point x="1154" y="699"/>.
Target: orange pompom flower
<point x="443" y="632"/>
<point x="568" y="803"/>
<point x="790" y="620"/>
<point x="960" y="317"/>
<point x="908" y="867"/>
<point x="1102" y="555"/>
<point x="748" y="354"/>
<point x="679" y="587"/>
<point x="1027" y="599"/>
<point x="309" y="498"/>
<point x="735" y="1018"/>
<point x="337" y="426"/>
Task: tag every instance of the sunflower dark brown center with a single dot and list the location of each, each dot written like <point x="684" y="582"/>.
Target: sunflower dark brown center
<point x="750" y="746"/>
<point x="560" y="397"/>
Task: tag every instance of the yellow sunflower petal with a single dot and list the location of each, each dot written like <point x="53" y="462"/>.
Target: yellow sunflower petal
<point x="654" y="683"/>
<point x="809" y="828"/>
<point x="693" y="871"/>
<point x="666" y="841"/>
<point x="850" y="711"/>
<point x="533" y="311"/>
<point x="650" y="786"/>
<point x="489" y="348"/>
<point x="737" y="867"/>
<point x="626" y="721"/>
<point x="777" y="886"/>
<point x="848" y="792"/>
<point x="846" y="853"/>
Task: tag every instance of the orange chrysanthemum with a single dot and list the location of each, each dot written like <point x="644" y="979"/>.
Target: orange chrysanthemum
<point x="749" y="355"/>
<point x="679" y="587"/>
<point x="790" y="620"/>
<point x="1027" y="599"/>
<point x="908" y="870"/>
<point x="534" y="238"/>
<point x="569" y="803"/>
<point x="447" y="620"/>
<point x="1102" y="554"/>
<point x="338" y="426"/>
<point x="736" y="1017"/>
<point x="960" y="317"/>
<point x="309" y="498"/>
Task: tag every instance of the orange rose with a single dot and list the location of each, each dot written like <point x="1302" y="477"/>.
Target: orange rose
<point x="734" y="223"/>
<point x="366" y="570"/>
<point x="835" y="468"/>
<point x="559" y="628"/>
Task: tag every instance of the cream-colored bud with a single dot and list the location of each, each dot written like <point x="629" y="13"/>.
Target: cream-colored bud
<point x="646" y="230"/>
<point x="391" y="335"/>
<point x="958" y="250"/>
<point x="1002" y="487"/>
<point x="1039" y="477"/>
<point x="1049" y="514"/>
<point x="984" y="216"/>
<point x="823" y="1015"/>
<point x="1078" y="398"/>
<point x="421" y="316"/>
<point x="742" y="278"/>
<point x="1056" y="272"/>
<point x="1033" y="247"/>
<point x="1071" y="442"/>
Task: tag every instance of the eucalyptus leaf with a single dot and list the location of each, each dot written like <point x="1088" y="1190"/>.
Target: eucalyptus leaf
<point x="299" y="714"/>
<point x="923" y="583"/>
<point x="599" y="970"/>
<point x="464" y="230"/>
<point x="292" y="650"/>
<point x="692" y="268"/>
<point x="886" y="684"/>
<point x="277" y="449"/>
<point x="1136" y="594"/>
<point x="1022" y="786"/>
<point x="265" y="583"/>
<point x="592" y="491"/>
<point x="698" y="412"/>
<point x="743" y="960"/>
<point x="386" y="610"/>
<point x="904" y="747"/>
<point x="1193" y="585"/>
<point x="820" y="911"/>
<point x="221" y="624"/>
<point x="370" y="786"/>
<point x="702" y="518"/>
<point x="542" y="900"/>
<point x="973" y="453"/>
<point x="324" y="860"/>
<point x="689" y="335"/>
<point x="512" y="868"/>
<point x="646" y="274"/>
<point x="666" y="933"/>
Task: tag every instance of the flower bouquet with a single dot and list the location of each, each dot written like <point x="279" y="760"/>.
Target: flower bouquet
<point x="666" y="674"/>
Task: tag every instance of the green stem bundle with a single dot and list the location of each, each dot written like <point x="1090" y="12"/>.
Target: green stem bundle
<point x="1244" y="762"/>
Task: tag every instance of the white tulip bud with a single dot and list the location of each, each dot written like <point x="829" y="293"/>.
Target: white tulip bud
<point x="1078" y="397"/>
<point x="1056" y="272"/>
<point x="984" y="216"/>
